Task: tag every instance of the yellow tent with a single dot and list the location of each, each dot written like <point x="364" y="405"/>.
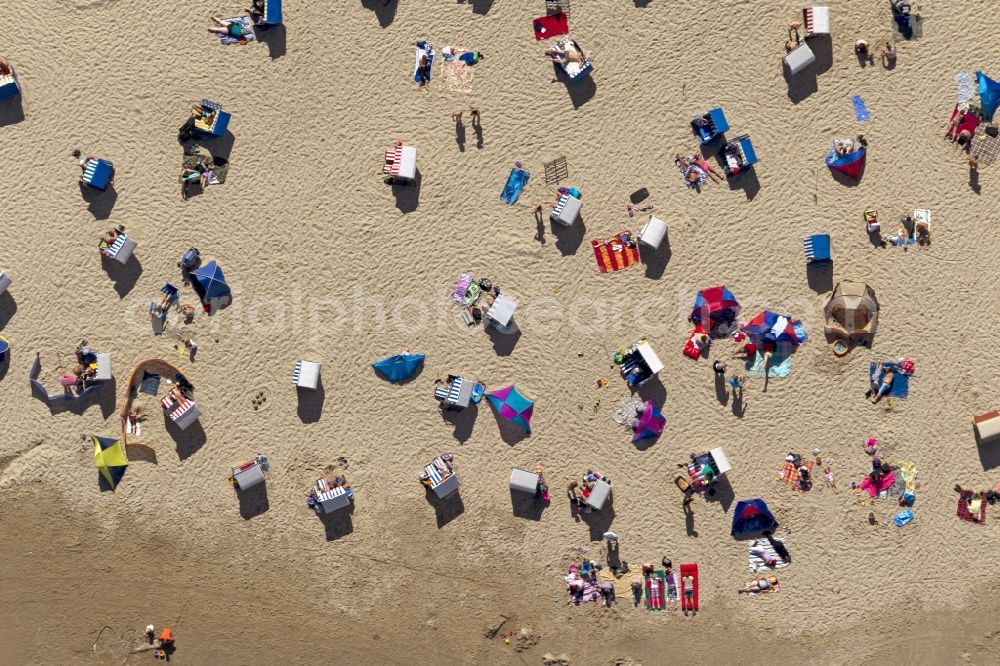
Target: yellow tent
<point x="109" y="456"/>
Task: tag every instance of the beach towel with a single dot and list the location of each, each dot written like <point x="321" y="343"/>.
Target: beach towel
<point x="883" y="484"/>
<point x="800" y="331"/>
<point x="898" y="487"/>
<point x="550" y="26"/>
<point x="900" y="382"/>
<point x="692" y="603"/>
<point x="456" y="76"/>
<point x="691" y="350"/>
<point x="656" y="591"/>
<point x="966" y="88"/>
<point x="860" y="110"/>
<point x="150" y="383"/>
<point x="590" y="592"/>
<point x="247" y="37"/>
<point x="516" y="181"/>
<point x="756" y="547"/>
<point x="219" y="171"/>
<point x="464" y="280"/>
<point x="781" y="363"/>
<point x="971" y="514"/>
<point x="970" y="121"/>
<point x="615" y="253"/>
<point x="702" y="176"/>
<point x="908" y="471"/>
<point x="423" y="74"/>
<point x="790" y="474"/>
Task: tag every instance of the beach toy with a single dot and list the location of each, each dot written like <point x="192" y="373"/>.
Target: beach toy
<point x="839" y="348"/>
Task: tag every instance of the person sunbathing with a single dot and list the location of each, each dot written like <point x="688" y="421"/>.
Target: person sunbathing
<point x="703" y="164"/>
<point x="160" y="309"/>
<point x="922" y="230"/>
<point x="759" y="585"/>
<point x="110" y="236"/>
<point x="202" y="115"/>
<point x="747" y="352"/>
<point x="564" y="56"/>
<point x="232" y="29"/>
<point x="877" y="390"/>
<point x="692" y="172"/>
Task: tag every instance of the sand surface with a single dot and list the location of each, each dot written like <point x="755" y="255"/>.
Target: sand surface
<point x="328" y="263"/>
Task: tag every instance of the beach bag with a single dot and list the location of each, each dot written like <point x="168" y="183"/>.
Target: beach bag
<point x="992" y="131"/>
<point x="189" y="259"/>
<point x="903" y="517"/>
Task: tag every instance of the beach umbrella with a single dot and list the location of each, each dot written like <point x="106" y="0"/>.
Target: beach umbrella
<point x="109" y="456"/>
<point x="209" y="282"/>
<point x="773" y="327"/>
<point x="752" y="516"/>
<point x="714" y="307"/>
<point x="852" y="306"/>
<point x="512" y="406"/>
<point x="989" y="94"/>
<point x="851" y="164"/>
<point x="650" y="423"/>
<point x="400" y="367"/>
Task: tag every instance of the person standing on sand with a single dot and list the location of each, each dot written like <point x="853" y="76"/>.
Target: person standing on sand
<point x="457" y="117"/>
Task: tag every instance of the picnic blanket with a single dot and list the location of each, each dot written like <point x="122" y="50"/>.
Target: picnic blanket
<point x="423" y="74"/>
<point x="900" y="382"/>
<point x="873" y="488"/>
<point x="150" y="383"/>
<point x="966" y="88"/>
<point x="984" y="146"/>
<point x="790" y="474"/>
<point x="219" y="171"/>
<point x="616" y="253"/>
<point x="781" y="363"/>
<point x="860" y="110"/>
<point x="973" y="513"/>
<point x="456" y="76"/>
<point x="702" y="177"/>
<point x="247" y="37"/>
<point x="551" y="26"/>
<point x="754" y="549"/>
<point x="516" y="181"/>
<point x="656" y="591"/>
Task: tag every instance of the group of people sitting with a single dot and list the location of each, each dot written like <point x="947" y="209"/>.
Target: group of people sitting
<point x="202" y="173"/>
<point x="696" y="169"/>
<point x="921" y="232"/>
<point x="586" y="485"/>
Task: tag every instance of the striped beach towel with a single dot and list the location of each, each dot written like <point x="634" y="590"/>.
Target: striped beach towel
<point x="754" y="550"/>
<point x="790" y="474"/>
<point x="248" y="36"/>
<point x="702" y="176"/>
<point x="615" y="253"/>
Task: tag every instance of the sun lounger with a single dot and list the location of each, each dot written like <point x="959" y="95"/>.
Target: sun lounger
<point x="121" y="250"/>
<point x="9" y="86"/>
<point x="653" y="233"/>
<point x="987" y="427"/>
<point x="817" y="247"/>
<point x="817" y="20"/>
<point x="800" y="58"/>
<point x="4" y="282"/>
<point x="689" y="604"/>
<point x="306" y="374"/>
<point x="443" y="483"/>
<point x="567" y="210"/>
<point x="98" y="173"/>
<point x="524" y="481"/>
<point x="220" y="120"/>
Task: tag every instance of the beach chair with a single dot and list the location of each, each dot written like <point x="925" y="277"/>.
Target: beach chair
<point x="247" y="475"/>
<point x="987" y="427"/>
<point x="4" y="282"/>
<point x="799" y="58"/>
<point x="219" y="120"/>
<point x="306" y="374"/>
<point x="871" y="221"/>
<point x="710" y="126"/>
<point x="653" y="233"/>
<point x="442" y="477"/>
<point x="817" y="248"/>
<point x="98" y="173"/>
<point x="103" y="372"/>
<point x="272" y="13"/>
<point x="738" y="155"/>
<point x="4" y="348"/>
<point x="121" y="250"/>
<point x="640" y="364"/>
<point x="400" y="163"/>
<point x="524" y="481"/>
<point x="817" y="20"/>
<point x="182" y="412"/>
<point x="501" y="312"/>
<point x="599" y="495"/>
<point x="574" y="70"/>
<point x="457" y="394"/>
<point x="8" y="85"/>
<point x="567" y="210"/>
<point x="331" y="497"/>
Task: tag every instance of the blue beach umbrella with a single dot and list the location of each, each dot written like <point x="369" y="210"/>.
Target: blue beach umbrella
<point x="400" y="367"/>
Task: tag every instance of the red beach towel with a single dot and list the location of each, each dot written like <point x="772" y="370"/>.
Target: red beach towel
<point x="550" y="26"/>
<point x="969" y="122"/>
<point x="689" y="570"/>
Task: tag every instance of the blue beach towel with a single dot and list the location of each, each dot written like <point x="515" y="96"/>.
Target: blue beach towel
<point x="423" y="74"/>
<point x="150" y="383"/>
<point x="800" y="331"/>
<point x="900" y="382"/>
<point x="781" y="363"/>
<point x="515" y="183"/>
<point x="860" y="110"/>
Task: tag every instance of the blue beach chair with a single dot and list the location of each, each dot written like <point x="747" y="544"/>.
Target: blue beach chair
<point x="98" y="173"/>
<point x="8" y="85"/>
<point x="272" y="13"/>
<point x="817" y="247"/>
<point x="220" y="119"/>
<point x="738" y="155"/>
<point x="710" y="126"/>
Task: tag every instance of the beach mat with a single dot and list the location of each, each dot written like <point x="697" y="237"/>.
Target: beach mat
<point x="613" y="254"/>
<point x="656" y="591"/>
<point x="781" y="363"/>
<point x="860" y="110"/>
<point x="247" y="38"/>
<point x="423" y="74"/>
<point x="550" y="26"/>
<point x="900" y="382"/>
<point x="689" y="570"/>
<point x="456" y="76"/>
<point x="756" y="562"/>
<point x="219" y="172"/>
<point x="965" y="513"/>
<point x="150" y="383"/>
<point x="908" y="471"/>
<point x="690" y="185"/>
<point x="516" y="181"/>
<point x="985" y="147"/>
<point x="790" y="474"/>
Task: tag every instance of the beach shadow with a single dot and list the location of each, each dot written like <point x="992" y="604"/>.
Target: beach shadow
<point x="385" y="12"/>
<point x="822" y="48"/>
<point x="989" y="454"/>
<point x="188" y="441"/>
<point x="463" y="420"/>
<point x="477" y="127"/>
<point x="525" y="505"/>
<point x="599" y="522"/>
<point x="124" y="276"/>
<point x="974" y="180"/>
<point x="11" y="111"/>
<point x="580" y="92"/>
<point x="689" y="522"/>
<point x="310" y="402"/>
<point x="721" y="492"/>
<point x="568" y="239"/>
<point x="875" y="238"/>
<point x="218" y="147"/>
<point x="275" y="37"/>
<point x="721" y="394"/>
<point x="460" y="136"/>
<point x="819" y="276"/>
<point x="447" y="509"/>
<point x="644" y="444"/>
<point x="136" y="453"/>
<point x="253" y="501"/>
<point x="479" y="6"/>
<point x="504" y="339"/>
<point x="407" y="194"/>
<point x="99" y="203"/>
<point x="641" y="4"/>
<point x="8" y="308"/>
<point x="801" y="85"/>
<point x="510" y="433"/>
<point x="338" y="524"/>
<point x="739" y="405"/>
<point x="653" y="390"/>
<point x="539" y="225"/>
<point x="746" y="181"/>
<point x="656" y="261"/>
<point x="5" y="365"/>
<point x="846" y="180"/>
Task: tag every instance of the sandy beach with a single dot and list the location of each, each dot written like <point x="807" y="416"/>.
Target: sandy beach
<point x="328" y="263"/>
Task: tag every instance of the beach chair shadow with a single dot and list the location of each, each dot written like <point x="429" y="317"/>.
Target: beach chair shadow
<point x="526" y="506"/>
<point x="407" y="194"/>
<point x="310" y="402"/>
<point x="819" y="276"/>
<point x="989" y="454"/>
<point x="479" y="6"/>
<point x="822" y="48"/>
<point x="384" y="12"/>
<point x="746" y="181"/>
<point x="463" y="420"/>
<point x="723" y="494"/>
<point x="11" y="111"/>
<point x="656" y="261"/>
<point x="189" y="441"/>
<point x="653" y="390"/>
<point x="446" y="509"/>
<point x="99" y="203"/>
<point x="568" y="239"/>
<point x="599" y="522"/>
<point x="8" y="308"/>
<point x="504" y="340"/>
<point x="339" y="523"/>
<point x="124" y="276"/>
<point x="801" y="85"/>
<point x="580" y="92"/>
<point x="275" y="38"/>
<point x="721" y="393"/>
<point x="253" y="501"/>
<point x="219" y="147"/>
<point x="4" y="365"/>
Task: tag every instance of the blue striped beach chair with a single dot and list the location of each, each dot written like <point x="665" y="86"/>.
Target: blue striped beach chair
<point x="306" y="374"/>
<point x="220" y="121"/>
<point x="121" y="250"/>
<point x="817" y="247"/>
<point x="98" y="173"/>
<point x="8" y="86"/>
<point x="272" y="12"/>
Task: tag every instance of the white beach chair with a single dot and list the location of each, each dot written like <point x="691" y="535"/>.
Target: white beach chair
<point x="4" y="282"/>
<point x="306" y="374"/>
<point x="817" y="20"/>
<point x="599" y="494"/>
<point x="653" y="233"/>
<point x="567" y="210"/>
<point x="103" y="367"/>
<point x="523" y="481"/>
<point x="800" y="58"/>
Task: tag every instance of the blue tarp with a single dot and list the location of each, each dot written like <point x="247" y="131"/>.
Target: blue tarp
<point x="400" y="367"/>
